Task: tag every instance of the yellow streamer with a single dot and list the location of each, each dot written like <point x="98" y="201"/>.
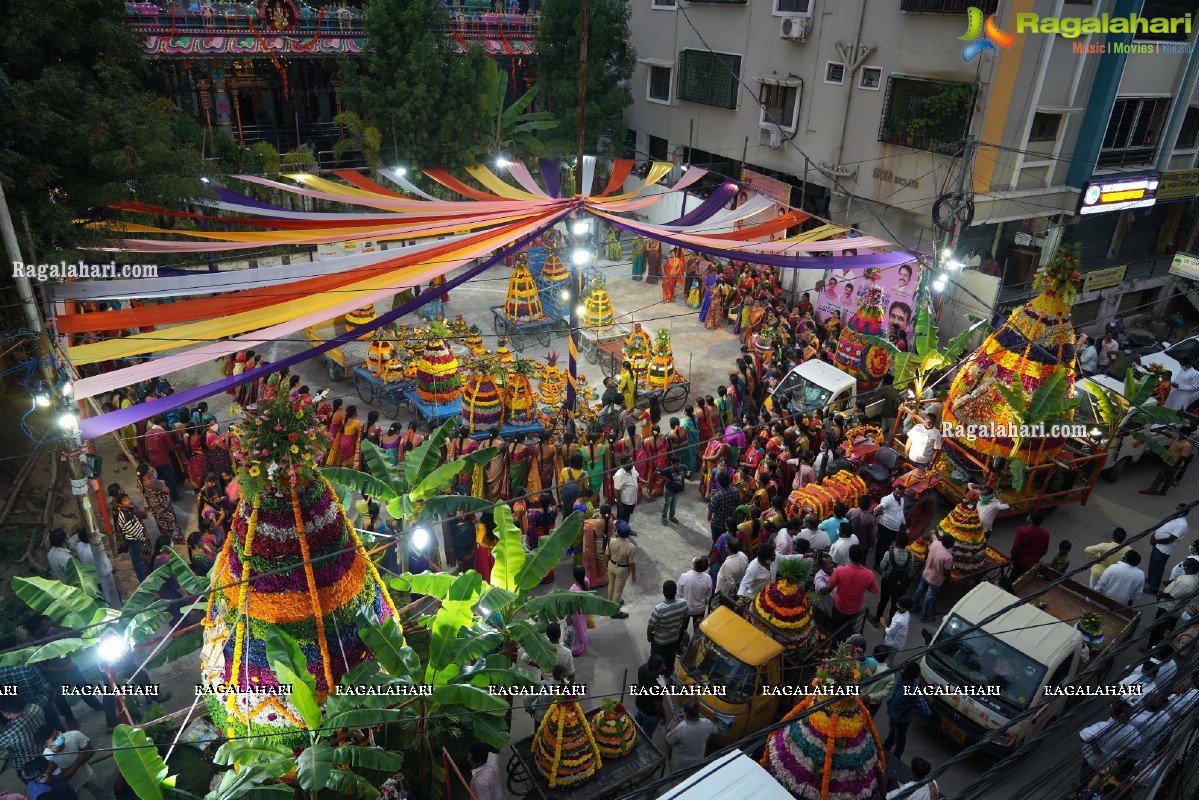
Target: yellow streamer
<point x="656" y="173"/>
<point x="491" y="181"/>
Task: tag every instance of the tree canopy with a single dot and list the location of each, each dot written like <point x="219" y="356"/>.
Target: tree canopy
<point x="411" y="87"/>
<point x="83" y="123"/>
<point x="610" y="62"/>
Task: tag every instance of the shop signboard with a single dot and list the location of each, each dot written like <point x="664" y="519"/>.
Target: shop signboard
<point x="1180" y="184"/>
<point x="843" y="290"/>
<point x="1186" y="266"/>
<point x="1118" y="194"/>
<point x="1104" y="278"/>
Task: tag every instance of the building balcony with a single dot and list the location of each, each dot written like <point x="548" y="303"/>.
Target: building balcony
<point x="948" y="6"/>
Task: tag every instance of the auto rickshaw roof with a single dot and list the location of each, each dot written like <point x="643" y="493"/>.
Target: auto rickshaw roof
<point x="739" y="638"/>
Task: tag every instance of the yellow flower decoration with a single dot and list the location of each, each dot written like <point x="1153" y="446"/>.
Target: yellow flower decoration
<point x="294" y="449"/>
<point x="308" y="456"/>
<point x="255" y="472"/>
<point x="312" y="437"/>
<point x="299" y="415"/>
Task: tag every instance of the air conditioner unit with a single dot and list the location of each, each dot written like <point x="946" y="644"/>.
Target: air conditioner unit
<point x="794" y="29"/>
<point x="776" y="139"/>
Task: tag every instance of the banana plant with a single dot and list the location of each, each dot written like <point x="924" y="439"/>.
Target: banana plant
<point x="413" y="492"/>
<point x="509" y="131"/>
<point x="1049" y="405"/>
<point x="140" y="764"/>
<point x="1121" y="415"/>
<point x="77" y="604"/>
<point x="914" y="369"/>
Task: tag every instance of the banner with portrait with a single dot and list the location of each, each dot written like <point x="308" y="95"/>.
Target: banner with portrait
<point x="755" y="182"/>
<point x="842" y="290"/>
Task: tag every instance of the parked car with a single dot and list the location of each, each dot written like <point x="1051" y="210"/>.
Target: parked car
<point x="1124" y="449"/>
<point x="1169" y="358"/>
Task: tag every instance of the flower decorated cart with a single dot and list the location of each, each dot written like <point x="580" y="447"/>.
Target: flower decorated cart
<point x="601" y="337"/>
<point x="830" y="750"/>
<point x="340" y="361"/>
<point x="288" y="563"/>
<point x="552" y="389"/>
<point x="636" y="350"/>
<point x="438" y="378"/>
<point x="860" y="350"/>
<point x="520" y="403"/>
<point x="843" y="487"/>
<point x="482" y="402"/>
<point x="523" y="319"/>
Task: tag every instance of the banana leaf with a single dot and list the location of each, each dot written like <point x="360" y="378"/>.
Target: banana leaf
<point x="549" y="552"/>
<point x="1150" y="444"/>
<point x="360" y="482"/>
<point x="487" y="728"/>
<point x="957" y="345"/>
<point x="509" y="551"/>
<point x="468" y="696"/>
<point x="364" y="718"/>
<point x="377" y="464"/>
<point x="441" y="506"/>
<point x="556" y="605"/>
<point x="177" y="648"/>
<point x="440" y="478"/>
<point x="433" y="584"/>
<point x="530" y="634"/>
<point x="45" y="652"/>
<point x="375" y="758"/>
<point x="82" y="576"/>
<point x="347" y="783"/>
<point x="424" y="458"/>
<point x="448" y="623"/>
<point x="67" y="606"/>
<point x="254" y="750"/>
<point x="497" y="599"/>
<point x="387" y="643"/>
<point x="476" y="642"/>
<point x="314" y="766"/>
<point x="282" y="648"/>
<point x="140" y="765"/>
<point x="302" y="696"/>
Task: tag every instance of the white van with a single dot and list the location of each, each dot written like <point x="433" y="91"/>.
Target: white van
<point x="817" y="385"/>
<point x="1126" y="449"/>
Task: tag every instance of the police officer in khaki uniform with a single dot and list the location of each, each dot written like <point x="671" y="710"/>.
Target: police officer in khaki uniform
<point x="621" y="565"/>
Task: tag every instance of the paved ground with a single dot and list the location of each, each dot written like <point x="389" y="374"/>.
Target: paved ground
<point x="617" y="648"/>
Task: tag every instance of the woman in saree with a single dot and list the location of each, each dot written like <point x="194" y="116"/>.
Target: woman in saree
<point x="639" y="251"/>
<point x="612" y="249"/>
<point x="239" y="366"/>
<point x="495" y="471"/>
<point x="337" y="421"/>
<point x="595" y="461"/>
<point x="754" y="317"/>
<point x="458" y="447"/>
<point x="726" y="544"/>
<point x="672" y="271"/>
<point x="541" y="468"/>
<point x="247" y="363"/>
<point x="325" y="409"/>
<point x="652" y="458"/>
<point x="711" y="310"/>
<point x="566" y="452"/>
<point x="371" y="431"/>
<point x="578" y="620"/>
<point x="197" y="455"/>
<point x="540" y="520"/>
<point x="389" y="443"/>
<point x="703" y="421"/>
<point x="485" y="541"/>
<point x="716" y="451"/>
<point x="158" y="501"/>
<point x="755" y="454"/>
<point x="570" y="482"/>
<point x="694" y="291"/>
<point x="212" y="508"/>
<point x="690" y="453"/>
<point x="411" y="438"/>
<point x="597" y="534"/>
<point x="650" y="418"/>
<point x="520" y="456"/>
<point x="749" y="532"/>
<point x="254" y="387"/>
<point x="270" y="387"/>
<point x="350" y="441"/>
<point x="653" y="250"/>
<point x="220" y="460"/>
<point x="201" y="549"/>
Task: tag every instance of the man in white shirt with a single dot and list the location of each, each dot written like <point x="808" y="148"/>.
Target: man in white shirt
<point x="759" y="573"/>
<point x="695" y="586"/>
<point x="896" y="636"/>
<point x="1193" y="555"/>
<point x="781" y="541"/>
<point x="1184" y="387"/>
<point x="553" y="632"/>
<point x="927" y="791"/>
<point x="624" y="481"/>
<point x="1164" y="540"/>
<point x="816" y="537"/>
<point x="728" y="579"/>
<point x="1152" y="718"/>
<point x="988" y="506"/>
<point x="890" y="522"/>
<point x="485" y="782"/>
<point x="69" y="753"/>
<point x="1124" y="580"/>
<point x="924" y="441"/>
<point x="1106" y="741"/>
<point x="840" y="549"/>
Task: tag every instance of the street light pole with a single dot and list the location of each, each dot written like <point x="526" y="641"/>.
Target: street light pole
<point x="80" y="486"/>
<point x="572" y="372"/>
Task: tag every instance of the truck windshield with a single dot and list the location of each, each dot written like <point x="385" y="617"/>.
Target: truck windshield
<point x="708" y="662"/>
<point x="980" y="659"/>
<point x="810" y="395"/>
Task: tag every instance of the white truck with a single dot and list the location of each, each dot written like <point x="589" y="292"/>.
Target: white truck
<point x="1124" y="449"/>
<point x="815" y="384"/>
<point x="1018" y="660"/>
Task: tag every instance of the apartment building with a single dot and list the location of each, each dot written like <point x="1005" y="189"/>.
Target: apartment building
<point x="875" y="103"/>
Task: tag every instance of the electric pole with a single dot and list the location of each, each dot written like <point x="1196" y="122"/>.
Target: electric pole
<point x="80" y="486"/>
<point x="572" y="372"/>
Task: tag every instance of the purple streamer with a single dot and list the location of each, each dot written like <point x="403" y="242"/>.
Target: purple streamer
<point x="716" y="201"/>
<point x="228" y="196"/>
<point x="880" y="260"/>
<point x="551" y="176"/>
<point x="95" y="427"/>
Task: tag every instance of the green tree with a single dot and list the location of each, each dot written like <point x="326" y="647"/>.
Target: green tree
<point x="610" y="62"/>
<point x="914" y="369"/>
<point x="1119" y="415"/>
<point x="1049" y="405"/>
<point x="410" y="86"/>
<point x="83" y="123"/>
<point x="361" y="137"/>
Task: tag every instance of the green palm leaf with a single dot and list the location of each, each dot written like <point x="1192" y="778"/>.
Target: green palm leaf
<point x="423" y="459"/>
<point x="549" y="552"/>
<point x="67" y="606"/>
<point x="375" y="758"/>
<point x="509" y="551"/>
<point x="556" y="605"/>
<point x="530" y="634"/>
<point x="387" y="644"/>
<point x="44" y="652"/>
<point x="360" y="482"/>
<point x="140" y="765"/>
<point x="303" y="697"/>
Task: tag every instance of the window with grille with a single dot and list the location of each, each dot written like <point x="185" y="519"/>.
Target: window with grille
<point x="948" y="6"/>
<point x="1169" y="9"/>
<point x="834" y="72"/>
<point x="664" y="3"/>
<point x="1133" y="131"/>
<point x="659" y="84"/>
<point x="926" y="114"/>
<point x="1140" y="301"/>
<point x="1188" y="136"/>
<point x="709" y="79"/>
<point x="1044" y="127"/>
<point x="870" y="78"/>
<point x="802" y="7"/>
<point x="1085" y="313"/>
<point x="658" y="149"/>
<point x="781" y="105"/>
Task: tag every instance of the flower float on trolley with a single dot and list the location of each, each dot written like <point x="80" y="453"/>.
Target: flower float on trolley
<point x="438" y="380"/>
<point x="290" y="562"/>
<point x="564" y="747"/>
<point x="482" y="405"/>
<point x="661" y="366"/>
<point x="782" y="607"/>
<point x="614" y="731"/>
<point x="843" y="487"/>
<point x="830" y="750"/>
<point x="860" y="350"/>
<point x="964" y="525"/>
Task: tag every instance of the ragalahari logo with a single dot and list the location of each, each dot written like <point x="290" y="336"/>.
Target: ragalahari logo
<point x="982" y="36"/>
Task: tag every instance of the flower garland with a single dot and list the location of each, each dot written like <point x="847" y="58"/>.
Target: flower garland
<point x="318" y="612"/>
<point x="561" y="759"/>
<point x="374" y="572"/>
<point x="239" y="635"/>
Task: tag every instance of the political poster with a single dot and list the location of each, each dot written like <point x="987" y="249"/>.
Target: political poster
<point x="842" y="290"/>
<point x="757" y="183"/>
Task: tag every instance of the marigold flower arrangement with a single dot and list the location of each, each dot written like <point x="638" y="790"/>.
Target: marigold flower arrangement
<point x="783" y="605"/>
<point x="830" y="752"/>
<point x="291" y="562"/>
<point x="615" y="733"/>
<point x="438" y="379"/>
<point x="1090" y="625"/>
<point x="564" y="747"/>
<point x="843" y="487"/>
